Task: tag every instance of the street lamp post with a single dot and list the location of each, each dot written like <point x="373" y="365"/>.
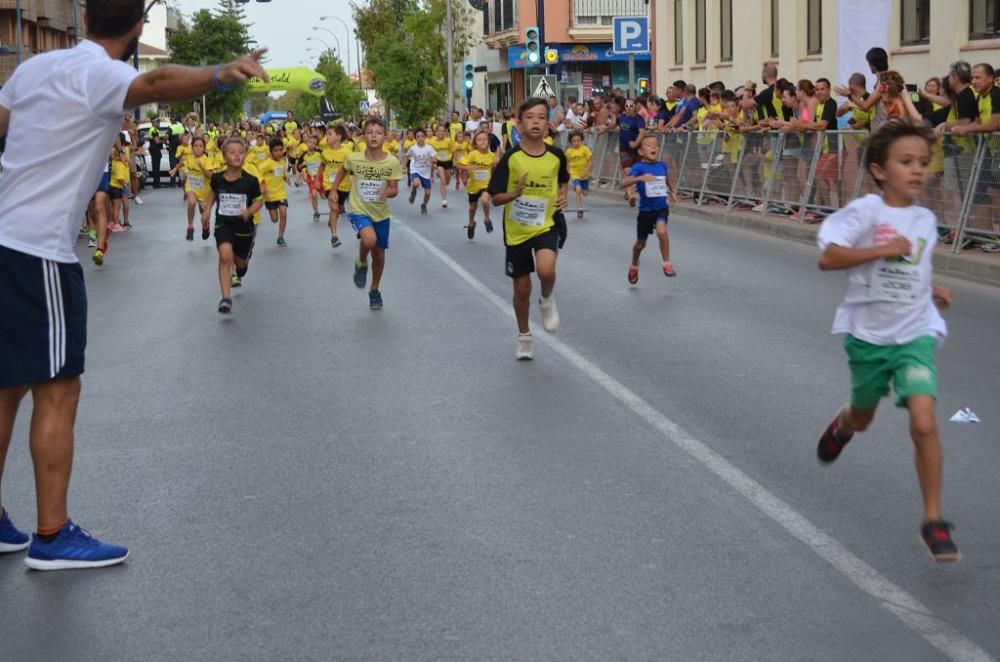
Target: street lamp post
<point x="340" y="49"/>
<point x="328" y="46"/>
<point x="357" y="42"/>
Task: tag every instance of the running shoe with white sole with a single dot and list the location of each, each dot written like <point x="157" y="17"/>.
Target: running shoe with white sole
<point x="374" y="299"/>
<point x="550" y="314"/>
<point x="444" y="203"/>
<point x="937" y="536"/>
<point x="281" y="242"/>
<point x="334" y="241"/>
<point x="225" y="306"/>
<point x="91" y="243"/>
<point x="360" y="274"/>
<point x="11" y="539"/>
<point x="72" y="548"/>
<point x="525" y="347"/>
<point x="235" y="281"/>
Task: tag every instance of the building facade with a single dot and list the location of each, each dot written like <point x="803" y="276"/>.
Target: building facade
<point x="701" y="41"/>
<point x="578" y="30"/>
<point x="45" y="25"/>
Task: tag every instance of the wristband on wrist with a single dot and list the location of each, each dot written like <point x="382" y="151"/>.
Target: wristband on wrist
<point x="218" y="84"/>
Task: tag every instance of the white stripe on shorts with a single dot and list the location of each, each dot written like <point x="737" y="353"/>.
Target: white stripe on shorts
<point x="57" y="317"/>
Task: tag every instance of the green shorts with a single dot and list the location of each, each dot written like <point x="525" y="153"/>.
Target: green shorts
<point x="910" y="368"/>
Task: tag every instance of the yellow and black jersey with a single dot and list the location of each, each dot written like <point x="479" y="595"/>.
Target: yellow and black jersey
<point x="533" y="213"/>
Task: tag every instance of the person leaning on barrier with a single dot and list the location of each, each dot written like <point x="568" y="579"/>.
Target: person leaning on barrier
<point x="965" y="105"/>
<point x="987" y="103"/>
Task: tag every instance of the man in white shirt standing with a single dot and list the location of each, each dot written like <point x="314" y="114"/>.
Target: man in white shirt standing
<point x="81" y="91"/>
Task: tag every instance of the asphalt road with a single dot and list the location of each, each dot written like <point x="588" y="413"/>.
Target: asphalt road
<point x="310" y="480"/>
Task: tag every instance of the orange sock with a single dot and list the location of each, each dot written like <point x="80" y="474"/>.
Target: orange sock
<point x="49" y="532"/>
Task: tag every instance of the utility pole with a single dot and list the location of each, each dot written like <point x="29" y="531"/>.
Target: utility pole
<point x="540" y="17"/>
<point x="449" y="37"/>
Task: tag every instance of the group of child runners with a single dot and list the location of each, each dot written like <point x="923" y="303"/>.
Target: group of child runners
<point x="885" y="242"/>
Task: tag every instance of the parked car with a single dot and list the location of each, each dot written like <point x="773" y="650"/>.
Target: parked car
<point x="145" y="164"/>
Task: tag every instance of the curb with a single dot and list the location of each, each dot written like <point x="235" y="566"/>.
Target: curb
<point x="983" y="269"/>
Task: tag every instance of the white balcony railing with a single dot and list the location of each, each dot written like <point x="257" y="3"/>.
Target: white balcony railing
<point x="598" y="13"/>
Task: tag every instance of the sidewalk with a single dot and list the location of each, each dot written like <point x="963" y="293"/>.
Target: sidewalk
<point x="971" y="264"/>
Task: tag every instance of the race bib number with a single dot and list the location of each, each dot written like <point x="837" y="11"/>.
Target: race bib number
<point x="530" y="211"/>
<point x="657" y="189"/>
<point x="370" y="190"/>
<point x="481" y="175"/>
<point x="896" y="281"/>
<point x="312" y="167"/>
<point x="196" y="183"/>
<point x="261" y="156"/>
<point x="279" y="171"/>
<point x="232" y="204"/>
<point x="443" y="156"/>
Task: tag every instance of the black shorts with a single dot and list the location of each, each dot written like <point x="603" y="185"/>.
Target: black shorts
<point x="341" y="197"/>
<point x="239" y="235"/>
<point x="115" y="193"/>
<point x="43" y="326"/>
<point x="474" y="198"/>
<point x="521" y="258"/>
<point x="275" y="204"/>
<point x="647" y="220"/>
<point x="447" y="165"/>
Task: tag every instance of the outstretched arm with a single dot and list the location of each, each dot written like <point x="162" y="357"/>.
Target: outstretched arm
<point x="173" y="82"/>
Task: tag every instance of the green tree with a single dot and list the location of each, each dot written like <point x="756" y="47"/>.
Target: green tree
<point x="211" y="38"/>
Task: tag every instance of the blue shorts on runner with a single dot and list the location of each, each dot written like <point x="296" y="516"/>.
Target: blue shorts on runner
<point x="424" y="182"/>
<point x="584" y="184"/>
<point x="359" y="222"/>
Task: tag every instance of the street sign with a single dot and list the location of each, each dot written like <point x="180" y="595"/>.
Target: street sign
<point x="544" y="86"/>
<point x="631" y="35"/>
<point x="364" y="106"/>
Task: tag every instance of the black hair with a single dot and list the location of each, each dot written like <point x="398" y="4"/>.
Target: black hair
<point x="988" y="68"/>
<point x="419" y="130"/>
<point x="680" y="85"/>
<point x="728" y="95"/>
<point x="112" y="18"/>
<point x="275" y="143"/>
<point x="575" y="134"/>
<point x="892" y="130"/>
<point x="878" y="59"/>
<point x="824" y="80"/>
<point x="339" y="130"/>
<point x="530" y="103"/>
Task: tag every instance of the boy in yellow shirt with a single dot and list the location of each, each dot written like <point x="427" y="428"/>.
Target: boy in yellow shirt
<point x="578" y="157"/>
<point x="334" y="155"/>
<point x="274" y="173"/>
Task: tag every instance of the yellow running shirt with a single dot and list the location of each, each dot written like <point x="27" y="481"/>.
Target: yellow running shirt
<point x="533" y="213"/>
<point x="444" y="147"/>
<point x="482" y="168"/>
<point x="312" y="161"/>
<point x="333" y="161"/>
<point x="578" y="159"/>
<point x="367" y="180"/>
<point x="273" y="174"/>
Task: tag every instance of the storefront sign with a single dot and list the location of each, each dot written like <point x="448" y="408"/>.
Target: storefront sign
<point x="517" y="56"/>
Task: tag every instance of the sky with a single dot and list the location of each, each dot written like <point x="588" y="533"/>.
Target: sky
<point x="284" y="32"/>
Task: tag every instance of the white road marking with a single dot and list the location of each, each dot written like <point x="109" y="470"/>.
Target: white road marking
<point x="894" y="599"/>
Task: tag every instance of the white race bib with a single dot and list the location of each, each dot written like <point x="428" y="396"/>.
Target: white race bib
<point x="196" y="182"/>
<point x="481" y="175"/>
<point x="443" y="156"/>
<point x="261" y="156"/>
<point x="279" y="171"/>
<point x="529" y="211"/>
<point x="312" y="167"/>
<point x="232" y="204"/>
<point x="370" y="189"/>
<point x="657" y="189"/>
<point x="896" y="281"/>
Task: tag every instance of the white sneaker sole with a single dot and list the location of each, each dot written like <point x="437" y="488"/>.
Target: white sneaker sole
<point x="11" y="548"/>
<point x="64" y="564"/>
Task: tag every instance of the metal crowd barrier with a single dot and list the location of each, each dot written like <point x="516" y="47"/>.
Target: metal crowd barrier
<point x="808" y="175"/>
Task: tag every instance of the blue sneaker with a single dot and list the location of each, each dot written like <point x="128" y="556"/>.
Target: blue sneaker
<point x="11" y="540"/>
<point x="374" y="299"/>
<point x="72" y="548"/>
<point x="360" y="274"/>
<point x="282" y="242"/>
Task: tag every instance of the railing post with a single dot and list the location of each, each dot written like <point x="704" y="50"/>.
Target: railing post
<point x="776" y="147"/>
<point x="970" y="193"/>
<point x="811" y="178"/>
<point x="739" y="168"/>
<point x="708" y="170"/>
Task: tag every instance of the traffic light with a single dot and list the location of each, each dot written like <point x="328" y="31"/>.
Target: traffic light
<point x="643" y="85"/>
<point x="470" y="75"/>
<point x="533" y="44"/>
<point x="551" y="56"/>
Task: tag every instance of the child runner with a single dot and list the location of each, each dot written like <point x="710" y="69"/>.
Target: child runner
<point x="199" y="173"/>
<point x="886" y="244"/>
<point x="99" y="214"/>
<point x="375" y="179"/>
<point x="477" y="166"/>
<point x="310" y="165"/>
<point x="578" y="157"/>
<point x="118" y="191"/>
<point x="532" y="180"/>
<point x="275" y="175"/>
<point x="180" y="155"/>
<point x="239" y="198"/>
<point x="443" y="146"/>
<point x="334" y="155"/>
<point x="421" y="160"/>
<point x="652" y="181"/>
<point x="261" y="151"/>
<point x="461" y="148"/>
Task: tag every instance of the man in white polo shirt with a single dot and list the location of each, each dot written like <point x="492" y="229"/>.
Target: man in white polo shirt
<point x="82" y="92"/>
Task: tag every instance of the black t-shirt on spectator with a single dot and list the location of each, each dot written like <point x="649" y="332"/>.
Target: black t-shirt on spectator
<point x="829" y="115"/>
<point x="966" y="105"/>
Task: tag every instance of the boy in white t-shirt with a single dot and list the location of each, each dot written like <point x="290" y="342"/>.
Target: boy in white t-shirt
<point x="890" y="316"/>
<point x="421" y="161"/>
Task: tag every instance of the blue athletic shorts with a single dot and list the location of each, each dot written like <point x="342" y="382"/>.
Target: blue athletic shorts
<point x="424" y="182"/>
<point x="360" y="222"/>
<point x="43" y="327"/>
<point x="105" y="184"/>
<point x="582" y="183"/>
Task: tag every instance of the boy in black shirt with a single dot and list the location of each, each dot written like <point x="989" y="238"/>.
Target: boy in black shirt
<point x="238" y="196"/>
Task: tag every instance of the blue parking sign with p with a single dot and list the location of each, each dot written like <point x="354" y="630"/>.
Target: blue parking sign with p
<point x="631" y="35"/>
